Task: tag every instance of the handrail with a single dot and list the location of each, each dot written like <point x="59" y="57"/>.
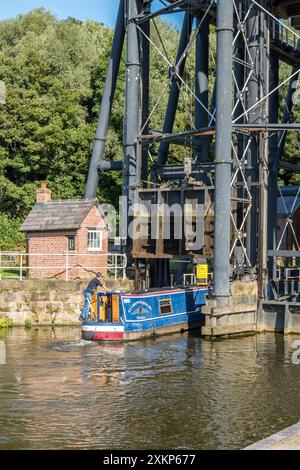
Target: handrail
<point x="285" y="36"/>
<point x="62" y="262"/>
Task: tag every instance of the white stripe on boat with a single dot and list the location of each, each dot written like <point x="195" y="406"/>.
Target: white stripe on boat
<point x="169" y="315"/>
<point x="103" y="328"/>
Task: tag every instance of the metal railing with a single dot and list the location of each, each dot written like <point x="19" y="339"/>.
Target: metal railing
<point x="287" y="274"/>
<point x="283" y="35"/>
<point x="189" y="279"/>
<point x="52" y="265"/>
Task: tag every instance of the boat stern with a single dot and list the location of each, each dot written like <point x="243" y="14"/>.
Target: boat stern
<point x="102" y="332"/>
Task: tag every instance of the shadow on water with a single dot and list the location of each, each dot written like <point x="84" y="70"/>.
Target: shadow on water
<point x="58" y="391"/>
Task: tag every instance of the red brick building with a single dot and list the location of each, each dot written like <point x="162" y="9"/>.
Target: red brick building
<point x="65" y="239"/>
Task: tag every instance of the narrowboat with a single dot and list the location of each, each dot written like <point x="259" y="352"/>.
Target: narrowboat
<point x="119" y="316"/>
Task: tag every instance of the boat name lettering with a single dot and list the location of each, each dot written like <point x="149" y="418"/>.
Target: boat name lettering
<point x="139" y="307"/>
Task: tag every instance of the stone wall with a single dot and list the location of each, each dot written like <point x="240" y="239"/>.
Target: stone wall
<point x="45" y="302"/>
<point x="41" y="302"/>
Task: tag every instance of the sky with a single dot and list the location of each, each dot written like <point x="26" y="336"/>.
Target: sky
<point x="103" y="11"/>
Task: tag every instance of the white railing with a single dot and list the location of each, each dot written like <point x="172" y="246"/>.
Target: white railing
<point x="288" y="274"/>
<point x="20" y="265"/>
<point x="189" y="279"/>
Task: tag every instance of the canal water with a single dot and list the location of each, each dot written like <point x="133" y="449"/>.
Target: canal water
<point x="177" y="392"/>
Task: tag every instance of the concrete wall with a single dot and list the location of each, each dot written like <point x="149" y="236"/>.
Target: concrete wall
<point x="279" y="317"/>
<point x="237" y="316"/>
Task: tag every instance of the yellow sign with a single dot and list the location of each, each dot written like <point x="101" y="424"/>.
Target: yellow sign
<point x="202" y="274"/>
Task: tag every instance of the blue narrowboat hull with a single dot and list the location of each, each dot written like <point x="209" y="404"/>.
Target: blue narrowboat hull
<point x="149" y="314"/>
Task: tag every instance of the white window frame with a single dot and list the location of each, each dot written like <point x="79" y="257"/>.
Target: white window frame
<point x="95" y="232"/>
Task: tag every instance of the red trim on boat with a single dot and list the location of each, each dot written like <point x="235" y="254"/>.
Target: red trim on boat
<point x="99" y="335"/>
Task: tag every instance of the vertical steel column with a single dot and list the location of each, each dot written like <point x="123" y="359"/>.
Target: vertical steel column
<point x="145" y="92"/>
<point x="201" y="85"/>
<point x="273" y="162"/>
<point x="253" y="35"/>
<point x="106" y="104"/>
<point x="175" y="89"/>
<point x="263" y="157"/>
<point x="263" y="215"/>
<point x="132" y="151"/>
<point x="223" y="150"/>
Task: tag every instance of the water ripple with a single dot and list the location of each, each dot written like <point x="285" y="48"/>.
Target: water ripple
<point x="58" y="391"/>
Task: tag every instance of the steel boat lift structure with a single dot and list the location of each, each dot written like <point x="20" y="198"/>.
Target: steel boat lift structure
<point x="236" y="142"/>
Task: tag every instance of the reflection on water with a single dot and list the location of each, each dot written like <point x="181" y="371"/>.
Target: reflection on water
<point x="57" y="391"/>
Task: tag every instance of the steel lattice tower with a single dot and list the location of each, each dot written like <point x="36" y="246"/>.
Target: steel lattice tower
<point x="236" y="137"/>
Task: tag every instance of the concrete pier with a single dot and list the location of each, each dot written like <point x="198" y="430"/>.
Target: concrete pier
<point x="238" y="316"/>
<point x="288" y="439"/>
<point x="280" y="317"/>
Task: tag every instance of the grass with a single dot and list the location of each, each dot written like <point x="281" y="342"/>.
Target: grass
<point x="11" y="273"/>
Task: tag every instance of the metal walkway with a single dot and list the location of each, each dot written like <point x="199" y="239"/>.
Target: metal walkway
<point x="284" y="43"/>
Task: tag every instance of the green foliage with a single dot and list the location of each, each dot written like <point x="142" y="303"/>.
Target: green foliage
<point x="28" y="324"/>
<point x="55" y="73"/>
<point x="10" y="236"/>
<point x="6" y="323"/>
<point x="292" y="146"/>
<point x="48" y="122"/>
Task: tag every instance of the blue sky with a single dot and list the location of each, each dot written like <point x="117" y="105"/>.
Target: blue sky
<point x="100" y="10"/>
<point x="104" y="11"/>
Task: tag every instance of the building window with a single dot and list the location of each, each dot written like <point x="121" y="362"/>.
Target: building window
<point x="95" y="240"/>
<point x="165" y="306"/>
<point x="71" y="243"/>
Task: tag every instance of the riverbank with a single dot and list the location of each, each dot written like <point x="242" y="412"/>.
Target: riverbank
<point x="288" y="439"/>
<point x="35" y="302"/>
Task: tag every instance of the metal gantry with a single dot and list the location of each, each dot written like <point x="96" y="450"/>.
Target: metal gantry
<point x="234" y="140"/>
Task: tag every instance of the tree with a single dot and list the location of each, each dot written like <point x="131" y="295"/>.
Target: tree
<point x="48" y="122"/>
<point x="55" y="73"/>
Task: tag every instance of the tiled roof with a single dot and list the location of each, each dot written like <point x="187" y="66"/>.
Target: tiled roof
<point x="58" y="215"/>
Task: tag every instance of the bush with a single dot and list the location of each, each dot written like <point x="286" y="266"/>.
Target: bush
<point x="6" y="322"/>
<point x="10" y="236"/>
<point x="27" y="324"/>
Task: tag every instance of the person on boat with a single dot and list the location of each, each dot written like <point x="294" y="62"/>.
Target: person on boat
<point x="92" y="287"/>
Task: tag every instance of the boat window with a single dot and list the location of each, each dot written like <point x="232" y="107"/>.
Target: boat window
<point x="165" y="306"/>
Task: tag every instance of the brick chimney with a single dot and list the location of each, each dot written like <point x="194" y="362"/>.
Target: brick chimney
<point x="43" y="194"/>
